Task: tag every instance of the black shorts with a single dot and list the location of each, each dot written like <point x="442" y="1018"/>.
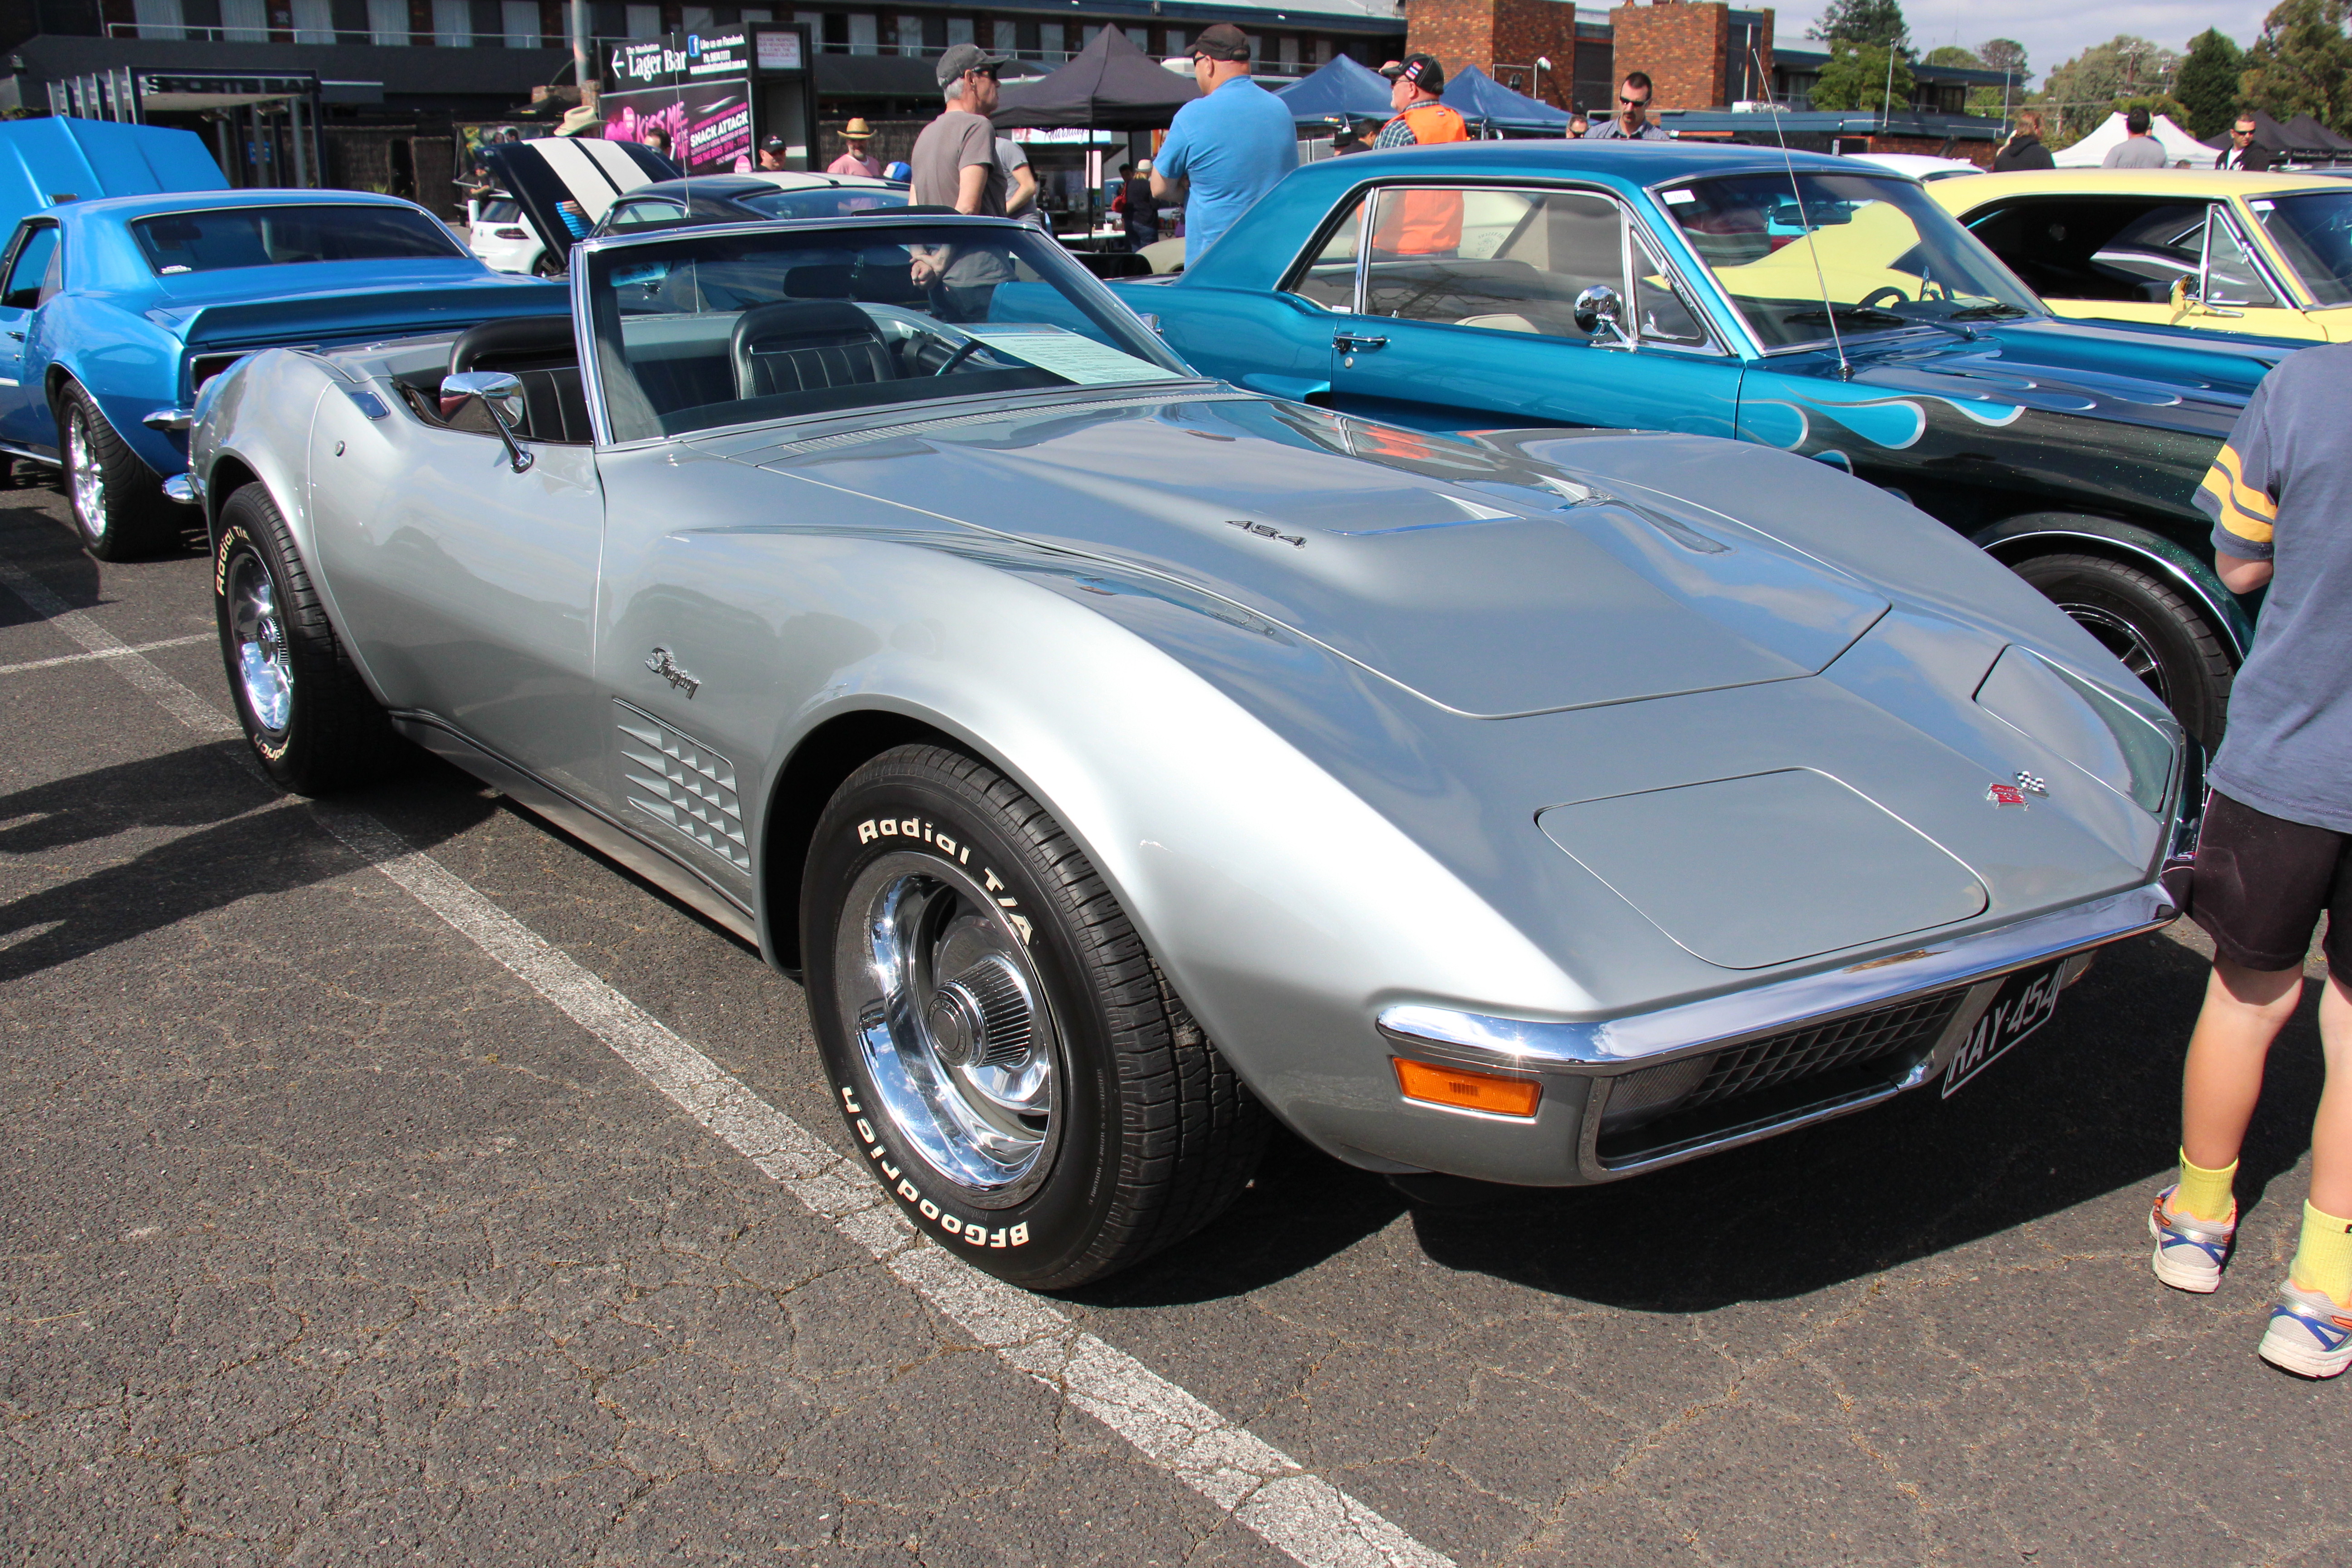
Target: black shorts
<point x="2261" y="883"/>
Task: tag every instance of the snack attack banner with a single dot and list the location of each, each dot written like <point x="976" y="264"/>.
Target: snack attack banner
<point x="694" y="88"/>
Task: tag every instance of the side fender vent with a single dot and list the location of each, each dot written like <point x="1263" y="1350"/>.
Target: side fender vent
<point x="683" y="784"/>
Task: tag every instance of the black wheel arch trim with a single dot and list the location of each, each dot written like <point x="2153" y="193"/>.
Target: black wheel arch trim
<point x="2012" y="540"/>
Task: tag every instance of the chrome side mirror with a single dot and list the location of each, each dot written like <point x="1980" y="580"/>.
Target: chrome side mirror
<point x="499" y="391"/>
<point x="1599" y="307"/>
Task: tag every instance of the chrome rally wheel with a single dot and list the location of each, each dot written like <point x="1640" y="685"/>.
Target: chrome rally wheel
<point x="1011" y="1065"/>
<point x="312" y="723"/>
<point x="265" y="670"/>
<point x="949" y="1017"/>
<point x="85" y="476"/>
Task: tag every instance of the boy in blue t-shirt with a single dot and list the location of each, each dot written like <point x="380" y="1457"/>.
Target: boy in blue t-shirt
<point x="2276" y="851"/>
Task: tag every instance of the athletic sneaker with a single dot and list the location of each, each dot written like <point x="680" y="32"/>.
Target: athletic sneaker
<point x="2309" y="1334"/>
<point x="2190" y="1252"/>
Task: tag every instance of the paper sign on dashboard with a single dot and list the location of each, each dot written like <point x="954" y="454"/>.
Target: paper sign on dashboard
<point x="1073" y="358"/>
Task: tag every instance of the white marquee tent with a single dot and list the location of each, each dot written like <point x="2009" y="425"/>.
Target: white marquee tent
<point x="2180" y="147"/>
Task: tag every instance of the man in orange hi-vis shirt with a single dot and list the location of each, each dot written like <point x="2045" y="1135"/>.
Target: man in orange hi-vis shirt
<point x="1419" y="223"/>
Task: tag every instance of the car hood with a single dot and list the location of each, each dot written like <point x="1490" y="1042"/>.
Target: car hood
<point x="1480" y="581"/>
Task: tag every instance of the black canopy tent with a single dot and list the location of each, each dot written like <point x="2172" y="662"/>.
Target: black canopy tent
<point x="1110" y="85"/>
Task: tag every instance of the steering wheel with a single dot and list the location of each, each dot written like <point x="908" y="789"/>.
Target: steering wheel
<point x="957" y="358"/>
<point x="1885" y="293"/>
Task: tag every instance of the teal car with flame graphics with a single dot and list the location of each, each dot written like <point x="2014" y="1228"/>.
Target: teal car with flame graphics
<point x="1808" y="303"/>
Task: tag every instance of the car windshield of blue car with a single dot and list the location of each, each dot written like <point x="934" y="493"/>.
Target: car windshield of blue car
<point x="827" y="201"/>
<point x="2315" y="233"/>
<point x="274" y="236"/>
<point x="755" y="324"/>
<point x="1857" y="254"/>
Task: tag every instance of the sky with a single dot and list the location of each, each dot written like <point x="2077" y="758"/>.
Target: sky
<point x="2052" y="34"/>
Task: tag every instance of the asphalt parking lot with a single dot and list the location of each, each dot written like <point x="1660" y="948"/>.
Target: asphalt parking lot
<point x="365" y="1203"/>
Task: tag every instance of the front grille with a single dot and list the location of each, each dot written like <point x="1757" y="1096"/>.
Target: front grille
<point x="1779" y="1078"/>
<point x="1800" y="1053"/>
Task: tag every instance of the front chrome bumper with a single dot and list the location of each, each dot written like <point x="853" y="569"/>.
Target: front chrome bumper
<point x="1584" y="1062"/>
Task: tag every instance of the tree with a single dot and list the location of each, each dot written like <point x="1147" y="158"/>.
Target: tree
<point x="2207" y="82"/>
<point x="2082" y="93"/>
<point x="1878" y="22"/>
<point x="2005" y="55"/>
<point x="1953" y="55"/>
<point x="2302" y="64"/>
<point x="1856" y="77"/>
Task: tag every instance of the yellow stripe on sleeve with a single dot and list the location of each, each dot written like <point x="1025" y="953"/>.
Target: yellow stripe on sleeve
<point x="2233" y="517"/>
<point x="2226" y="462"/>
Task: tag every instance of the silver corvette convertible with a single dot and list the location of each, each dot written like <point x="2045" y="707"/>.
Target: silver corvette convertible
<point x="1120" y="758"/>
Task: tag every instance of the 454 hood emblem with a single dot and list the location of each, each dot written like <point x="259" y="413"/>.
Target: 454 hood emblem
<point x="664" y="664"/>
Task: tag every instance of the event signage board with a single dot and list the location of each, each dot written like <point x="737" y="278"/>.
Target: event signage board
<point x="697" y="90"/>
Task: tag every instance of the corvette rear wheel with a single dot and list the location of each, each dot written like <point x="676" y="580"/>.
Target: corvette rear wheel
<point x="1012" y="1064"/>
<point x="310" y="720"/>
<point x="117" y="502"/>
<point x="2160" y="636"/>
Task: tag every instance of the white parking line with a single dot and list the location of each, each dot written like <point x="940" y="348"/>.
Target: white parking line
<point x="104" y="653"/>
<point x="1293" y="1509"/>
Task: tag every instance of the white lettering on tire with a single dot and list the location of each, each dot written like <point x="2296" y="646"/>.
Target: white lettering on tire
<point x="973" y="1233"/>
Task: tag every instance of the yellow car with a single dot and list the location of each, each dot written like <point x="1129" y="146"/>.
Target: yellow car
<point x="2270" y="254"/>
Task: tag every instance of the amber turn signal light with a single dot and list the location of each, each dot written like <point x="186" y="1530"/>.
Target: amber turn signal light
<point x="1467" y="1091"/>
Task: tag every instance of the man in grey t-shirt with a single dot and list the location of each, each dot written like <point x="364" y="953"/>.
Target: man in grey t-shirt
<point x="955" y="165"/>
<point x="2137" y="149"/>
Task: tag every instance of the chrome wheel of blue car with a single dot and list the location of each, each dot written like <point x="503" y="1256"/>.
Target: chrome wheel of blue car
<point x="117" y="502"/>
<point x="88" y="480"/>
<point x="950" y="1016"/>
<point x="265" y="670"/>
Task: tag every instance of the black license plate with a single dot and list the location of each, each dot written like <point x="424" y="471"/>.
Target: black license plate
<point x="2023" y="1004"/>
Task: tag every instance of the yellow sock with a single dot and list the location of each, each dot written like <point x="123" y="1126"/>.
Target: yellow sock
<point x="2204" y="1194"/>
<point x="2323" y="1261"/>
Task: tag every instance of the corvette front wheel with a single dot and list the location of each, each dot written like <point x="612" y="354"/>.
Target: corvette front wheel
<point x="310" y="720"/>
<point x="1011" y="1065"/>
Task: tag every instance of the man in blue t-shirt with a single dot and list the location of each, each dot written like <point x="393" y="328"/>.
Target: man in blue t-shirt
<point x="2276" y="853"/>
<point x="1228" y="147"/>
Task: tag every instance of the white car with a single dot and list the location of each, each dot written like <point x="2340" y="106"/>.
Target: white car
<point x="497" y="233"/>
<point x="1918" y="165"/>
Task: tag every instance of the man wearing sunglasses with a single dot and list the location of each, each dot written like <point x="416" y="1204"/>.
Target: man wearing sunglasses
<point x="1226" y="148"/>
<point x="2243" y="151"/>
<point x="1631" y="120"/>
<point x="955" y="165"/>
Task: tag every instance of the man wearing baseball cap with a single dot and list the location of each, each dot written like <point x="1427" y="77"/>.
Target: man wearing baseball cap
<point x="1419" y="223"/>
<point x="955" y="167"/>
<point x="1421" y="118"/>
<point x="1226" y="148"/>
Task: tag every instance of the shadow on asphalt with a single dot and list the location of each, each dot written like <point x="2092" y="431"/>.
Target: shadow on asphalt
<point x="2089" y="1105"/>
<point x="245" y="840"/>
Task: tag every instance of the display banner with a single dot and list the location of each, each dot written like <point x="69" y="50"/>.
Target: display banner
<point x="695" y="89"/>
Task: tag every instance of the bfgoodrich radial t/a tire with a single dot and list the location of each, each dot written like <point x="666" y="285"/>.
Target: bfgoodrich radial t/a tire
<point x="311" y="721"/>
<point x="1013" y="1065"/>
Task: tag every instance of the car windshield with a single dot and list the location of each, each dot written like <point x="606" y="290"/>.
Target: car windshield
<point x="2315" y="234"/>
<point x="735" y="327"/>
<point x="273" y="236"/>
<point x="827" y="201"/>
<point x="1863" y="254"/>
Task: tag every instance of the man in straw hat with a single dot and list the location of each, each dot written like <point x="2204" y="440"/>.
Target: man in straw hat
<point x="860" y="159"/>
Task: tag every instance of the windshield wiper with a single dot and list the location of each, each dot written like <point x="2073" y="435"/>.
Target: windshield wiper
<point x="1873" y="313"/>
<point x="1993" y="312"/>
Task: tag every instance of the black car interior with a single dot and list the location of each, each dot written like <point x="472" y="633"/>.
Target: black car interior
<point x="541" y="351"/>
<point x="2055" y="244"/>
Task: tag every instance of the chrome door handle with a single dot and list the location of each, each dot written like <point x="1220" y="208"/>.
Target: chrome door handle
<point x="1349" y="342"/>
